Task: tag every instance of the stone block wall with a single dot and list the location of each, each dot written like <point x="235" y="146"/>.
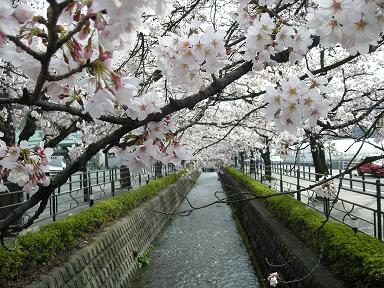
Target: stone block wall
<point x="272" y="240"/>
<point x="110" y="261"/>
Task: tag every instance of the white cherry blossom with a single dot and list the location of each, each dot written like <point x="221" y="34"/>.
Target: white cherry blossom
<point x="100" y="103"/>
<point x="8" y="23"/>
<point x="23" y="13"/>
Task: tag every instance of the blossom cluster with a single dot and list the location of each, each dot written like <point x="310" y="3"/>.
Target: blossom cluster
<point x="75" y="151"/>
<point x="109" y="26"/>
<point x="296" y="104"/>
<point x="273" y="279"/>
<point x="265" y="36"/>
<point x="153" y="142"/>
<point x="326" y="190"/>
<point x="284" y="143"/>
<point x="114" y="23"/>
<point x="12" y="19"/>
<point x="188" y="59"/>
<point x="106" y="27"/>
<point x="23" y="165"/>
<point x="355" y="24"/>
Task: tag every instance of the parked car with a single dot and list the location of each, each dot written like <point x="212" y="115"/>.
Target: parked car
<point x="56" y="163"/>
<point x="209" y="169"/>
<point x="276" y="159"/>
<point x="375" y="168"/>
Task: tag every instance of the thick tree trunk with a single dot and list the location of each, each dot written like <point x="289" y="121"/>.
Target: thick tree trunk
<point x="158" y="170"/>
<point x="252" y="164"/>
<point x="266" y="155"/>
<point x="171" y="167"/>
<point x="318" y="156"/>
<point x="242" y="156"/>
<point x="125" y="178"/>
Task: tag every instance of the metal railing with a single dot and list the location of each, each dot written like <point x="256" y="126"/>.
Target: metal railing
<point x="81" y="190"/>
<point x="359" y="204"/>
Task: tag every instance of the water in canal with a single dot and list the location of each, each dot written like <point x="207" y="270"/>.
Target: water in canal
<point x="201" y="250"/>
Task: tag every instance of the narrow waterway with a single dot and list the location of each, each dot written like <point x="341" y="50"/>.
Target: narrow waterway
<point x="201" y="250"/>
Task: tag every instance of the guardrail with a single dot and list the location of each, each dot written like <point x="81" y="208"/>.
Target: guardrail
<point x="359" y="204"/>
<point x="81" y="190"/>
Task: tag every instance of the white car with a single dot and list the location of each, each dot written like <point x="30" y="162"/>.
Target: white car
<point x="276" y="159"/>
<point x="56" y="163"/>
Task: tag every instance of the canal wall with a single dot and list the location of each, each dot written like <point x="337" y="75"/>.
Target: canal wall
<point x="111" y="260"/>
<point x="273" y="243"/>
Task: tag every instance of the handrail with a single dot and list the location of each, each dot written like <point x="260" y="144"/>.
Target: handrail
<point x="364" y="195"/>
<point x="81" y="190"/>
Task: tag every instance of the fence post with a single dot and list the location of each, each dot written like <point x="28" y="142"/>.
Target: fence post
<point x="261" y="172"/>
<point x="350" y="180"/>
<point x="363" y="179"/>
<point x="139" y="179"/>
<point x="70" y="183"/>
<point x="379" y="212"/>
<point x="90" y="192"/>
<point x="281" y="179"/>
<point x="54" y="200"/>
<point x="81" y="181"/>
<point x="298" y="184"/>
<point x="327" y="206"/>
<point x="85" y="185"/>
<point x="257" y="170"/>
<point x="91" y="202"/>
<point x="112" y="183"/>
<point x="148" y="179"/>
<point x="57" y="202"/>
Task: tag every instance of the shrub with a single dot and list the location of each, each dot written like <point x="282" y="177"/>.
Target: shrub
<point x="34" y="248"/>
<point x="356" y="258"/>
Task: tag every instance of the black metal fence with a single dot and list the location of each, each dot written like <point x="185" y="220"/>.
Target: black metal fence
<point x="359" y="204"/>
<point x="81" y="190"/>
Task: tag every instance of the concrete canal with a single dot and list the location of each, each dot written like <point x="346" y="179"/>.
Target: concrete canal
<point x="201" y="250"/>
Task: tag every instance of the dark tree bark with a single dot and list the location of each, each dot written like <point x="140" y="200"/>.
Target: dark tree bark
<point x="29" y="128"/>
<point x="171" y="167"/>
<point x="158" y="170"/>
<point x="266" y="155"/>
<point x="242" y="156"/>
<point x="318" y="156"/>
<point x="125" y="178"/>
<point x="252" y="163"/>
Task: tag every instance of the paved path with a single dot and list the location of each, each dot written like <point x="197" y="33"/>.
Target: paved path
<point x="201" y="250"/>
<point x="349" y="199"/>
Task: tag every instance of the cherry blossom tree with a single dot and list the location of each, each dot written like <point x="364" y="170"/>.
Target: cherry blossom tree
<point x="139" y="76"/>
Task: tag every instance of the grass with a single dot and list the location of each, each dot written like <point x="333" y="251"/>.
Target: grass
<point x="356" y="258"/>
<point x="33" y="249"/>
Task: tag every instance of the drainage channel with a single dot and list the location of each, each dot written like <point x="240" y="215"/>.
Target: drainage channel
<point x="203" y="249"/>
